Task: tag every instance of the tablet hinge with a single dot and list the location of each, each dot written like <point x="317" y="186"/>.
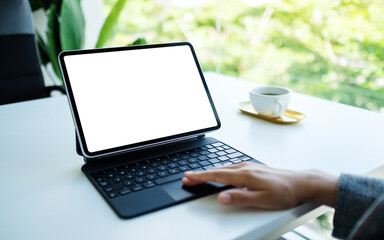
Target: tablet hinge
<point x="149" y="146"/>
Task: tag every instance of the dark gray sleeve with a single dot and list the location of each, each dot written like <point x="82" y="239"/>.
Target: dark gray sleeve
<point x="355" y="194"/>
<point x="371" y="224"/>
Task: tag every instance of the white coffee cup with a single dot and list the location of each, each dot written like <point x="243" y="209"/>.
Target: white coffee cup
<point x="270" y="101"/>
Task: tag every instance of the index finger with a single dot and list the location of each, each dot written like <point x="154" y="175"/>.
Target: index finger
<point x="224" y="176"/>
<point x="236" y="166"/>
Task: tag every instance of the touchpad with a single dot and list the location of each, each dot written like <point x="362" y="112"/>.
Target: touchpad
<point x="178" y="191"/>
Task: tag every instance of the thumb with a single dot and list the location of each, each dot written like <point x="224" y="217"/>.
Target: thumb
<point x="239" y="197"/>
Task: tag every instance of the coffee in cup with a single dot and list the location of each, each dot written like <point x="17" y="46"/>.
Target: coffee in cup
<point x="271" y="101"/>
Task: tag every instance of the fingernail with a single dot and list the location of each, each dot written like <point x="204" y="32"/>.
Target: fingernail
<point x="225" y="198"/>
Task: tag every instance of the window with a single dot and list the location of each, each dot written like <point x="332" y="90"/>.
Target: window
<point x="333" y="49"/>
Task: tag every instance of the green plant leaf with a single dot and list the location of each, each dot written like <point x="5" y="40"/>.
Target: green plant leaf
<point x="53" y="41"/>
<point x="72" y="25"/>
<point x="139" y="41"/>
<point x="110" y="23"/>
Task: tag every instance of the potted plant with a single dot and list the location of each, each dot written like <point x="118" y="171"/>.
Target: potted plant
<point x="66" y="27"/>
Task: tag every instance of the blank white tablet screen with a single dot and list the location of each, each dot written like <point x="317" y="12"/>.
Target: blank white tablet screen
<point x="128" y="97"/>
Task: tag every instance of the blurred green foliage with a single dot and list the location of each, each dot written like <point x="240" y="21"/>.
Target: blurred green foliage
<point x="66" y="28"/>
<point x="333" y="49"/>
<point x="61" y="33"/>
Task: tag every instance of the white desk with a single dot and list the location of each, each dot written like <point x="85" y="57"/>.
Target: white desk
<point x="44" y="195"/>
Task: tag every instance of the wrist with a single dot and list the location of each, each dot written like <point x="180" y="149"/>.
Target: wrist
<point x="320" y="187"/>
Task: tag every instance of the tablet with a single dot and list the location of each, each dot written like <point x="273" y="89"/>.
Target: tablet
<point x="128" y="98"/>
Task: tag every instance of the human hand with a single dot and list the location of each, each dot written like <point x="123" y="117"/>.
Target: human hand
<point x="269" y="188"/>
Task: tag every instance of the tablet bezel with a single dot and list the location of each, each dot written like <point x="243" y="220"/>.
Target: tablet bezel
<point x="136" y="146"/>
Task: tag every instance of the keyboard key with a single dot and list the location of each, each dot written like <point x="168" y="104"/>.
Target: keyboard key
<point x="117" y="180"/>
<point x="217" y="165"/>
<point x="227" y="163"/>
<point x="204" y="163"/>
<point x="183" y="163"/>
<point x="108" y="189"/>
<point x="230" y="150"/>
<point x="218" y="144"/>
<point x="169" y="178"/>
<point x="173" y="171"/>
<point x="121" y="172"/>
<point x="103" y="183"/>
<point x="132" y="169"/>
<point x="111" y="175"/>
<point x="152" y="171"/>
<point x="221" y="153"/>
<point x="139" y="180"/>
<point x="193" y="160"/>
<point x="175" y="159"/>
<point x="213" y="150"/>
<point x="220" y="148"/>
<point x="124" y="191"/>
<point x="128" y="183"/>
<point x="173" y="165"/>
<point x="223" y="158"/>
<point x="129" y="176"/>
<point x="235" y="155"/>
<point x="99" y="179"/>
<point x="162" y="168"/>
<point x="214" y="160"/>
<point x="198" y="169"/>
<point x="194" y="165"/>
<point x="212" y="155"/>
<point x="152" y="177"/>
<point x="144" y="167"/>
<point x="207" y="167"/>
<point x="246" y="158"/>
<point x="194" y="155"/>
<point x="184" y="157"/>
<point x="136" y="188"/>
<point x="184" y="168"/>
<point x="208" y="146"/>
<point x="204" y="152"/>
<point x="236" y="160"/>
<point x="154" y="164"/>
<point x="165" y="161"/>
<point x="163" y="174"/>
<point x="139" y="174"/>
<point x="112" y="195"/>
<point x="148" y="184"/>
<point x="203" y="158"/>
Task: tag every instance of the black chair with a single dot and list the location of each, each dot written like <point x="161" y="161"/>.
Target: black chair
<point x="21" y="78"/>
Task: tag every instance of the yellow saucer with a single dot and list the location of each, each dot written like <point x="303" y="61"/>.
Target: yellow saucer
<point x="288" y="117"/>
